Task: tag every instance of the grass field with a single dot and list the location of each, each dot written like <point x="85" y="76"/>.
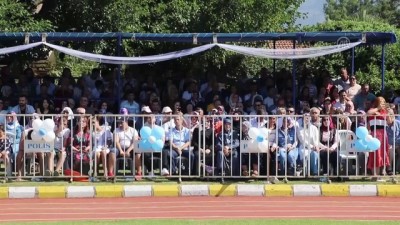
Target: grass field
<point x="215" y="222"/>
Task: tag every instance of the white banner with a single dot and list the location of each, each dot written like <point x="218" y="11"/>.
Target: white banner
<point x="130" y="60"/>
<point x="299" y="53"/>
<point x="18" y="48"/>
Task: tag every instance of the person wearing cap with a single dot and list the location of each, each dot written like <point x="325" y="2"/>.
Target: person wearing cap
<point x="228" y="150"/>
<point x="287" y="144"/>
<point x="124" y="139"/>
<point x="327" y="106"/>
<point x="167" y="121"/>
<point x="179" y="145"/>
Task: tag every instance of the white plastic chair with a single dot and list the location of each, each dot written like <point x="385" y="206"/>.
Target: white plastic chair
<point x="347" y="151"/>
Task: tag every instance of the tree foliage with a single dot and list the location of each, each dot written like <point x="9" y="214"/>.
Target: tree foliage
<point x="173" y="16"/>
<point x="16" y="17"/>
<point x="367" y="58"/>
<point x="364" y="10"/>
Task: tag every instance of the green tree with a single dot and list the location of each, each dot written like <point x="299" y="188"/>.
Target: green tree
<point x="17" y="17"/>
<point x="173" y="16"/>
<point x="367" y="10"/>
<point x="367" y="58"/>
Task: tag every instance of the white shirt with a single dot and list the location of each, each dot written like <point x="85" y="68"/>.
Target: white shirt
<point x="308" y="137"/>
<point x="126" y="137"/>
<point x="60" y="137"/>
<point x="352" y="91"/>
<point x="100" y="138"/>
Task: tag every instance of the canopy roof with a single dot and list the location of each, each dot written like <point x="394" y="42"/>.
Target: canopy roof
<point x="370" y="37"/>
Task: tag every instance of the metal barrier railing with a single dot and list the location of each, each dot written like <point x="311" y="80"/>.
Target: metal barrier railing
<point x="112" y="147"/>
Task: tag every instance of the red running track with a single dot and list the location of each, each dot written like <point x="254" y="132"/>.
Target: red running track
<point x="332" y="208"/>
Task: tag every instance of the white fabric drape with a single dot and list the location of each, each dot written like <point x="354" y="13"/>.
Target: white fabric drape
<point x="299" y="53"/>
<point x="130" y="60"/>
<point x="18" y="48"/>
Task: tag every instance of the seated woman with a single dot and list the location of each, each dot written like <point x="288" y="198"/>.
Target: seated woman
<point x="62" y="133"/>
<point x="102" y="142"/>
<point x="287" y="144"/>
<point x="80" y="146"/>
<point x="13" y="128"/>
<point x="329" y="144"/>
<point x="5" y="150"/>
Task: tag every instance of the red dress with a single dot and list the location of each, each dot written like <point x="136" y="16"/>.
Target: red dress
<point x="381" y="156"/>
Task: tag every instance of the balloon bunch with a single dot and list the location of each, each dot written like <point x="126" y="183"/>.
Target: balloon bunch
<point x="366" y="143"/>
<point x="43" y="130"/>
<point x="259" y="137"/>
<point x="152" y="139"/>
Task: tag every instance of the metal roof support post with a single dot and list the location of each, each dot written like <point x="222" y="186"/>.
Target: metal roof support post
<point x="27" y="35"/>
<point x="274" y="63"/>
<point x="215" y="38"/>
<point x="383" y="68"/>
<point x="294" y="77"/>
<point x="119" y="71"/>
<point x="352" y="60"/>
<point x="195" y="39"/>
<point x="44" y="36"/>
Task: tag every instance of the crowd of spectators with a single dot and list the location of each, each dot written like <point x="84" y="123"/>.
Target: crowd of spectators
<point x="323" y="103"/>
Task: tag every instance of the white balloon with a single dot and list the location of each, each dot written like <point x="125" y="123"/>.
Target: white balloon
<point x="152" y="139"/>
<point x="48" y="124"/>
<point x="264" y="132"/>
<point x="253" y="133"/>
<point x="36" y="124"/>
<point x="49" y="137"/>
<point x="35" y="136"/>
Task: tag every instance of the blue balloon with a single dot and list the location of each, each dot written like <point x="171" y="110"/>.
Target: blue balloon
<point x="374" y="144"/>
<point x="42" y="132"/>
<point x="145" y="132"/>
<point x="360" y="146"/>
<point x="158" y="132"/>
<point x="158" y="145"/>
<point x="144" y="145"/>
<point x="260" y="139"/>
<point x="361" y="132"/>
